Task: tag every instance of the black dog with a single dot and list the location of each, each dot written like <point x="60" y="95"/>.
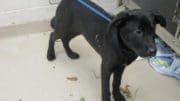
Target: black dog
<point x="130" y="34"/>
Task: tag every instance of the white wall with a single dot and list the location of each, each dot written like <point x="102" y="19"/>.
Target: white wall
<point x="24" y="11"/>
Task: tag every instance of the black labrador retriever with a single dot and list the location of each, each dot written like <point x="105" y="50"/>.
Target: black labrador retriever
<point x="130" y="34"/>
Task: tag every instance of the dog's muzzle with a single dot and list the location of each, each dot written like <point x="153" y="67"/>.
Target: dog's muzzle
<point x="151" y="51"/>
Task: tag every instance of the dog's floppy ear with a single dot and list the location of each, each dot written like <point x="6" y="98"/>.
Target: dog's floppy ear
<point x="158" y="18"/>
<point x="119" y="20"/>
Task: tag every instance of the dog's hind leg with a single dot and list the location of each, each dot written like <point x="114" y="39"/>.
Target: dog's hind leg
<point x="69" y="52"/>
<point x="117" y="75"/>
<point x="51" y="53"/>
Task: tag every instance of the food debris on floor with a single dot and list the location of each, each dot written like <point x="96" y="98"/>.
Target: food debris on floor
<point x="72" y="78"/>
<point x="126" y="91"/>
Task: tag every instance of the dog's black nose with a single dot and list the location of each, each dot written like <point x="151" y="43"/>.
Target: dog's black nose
<point x="152" y="51"/>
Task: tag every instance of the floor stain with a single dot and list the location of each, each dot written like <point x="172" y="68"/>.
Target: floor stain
<point x="72" y="78"/>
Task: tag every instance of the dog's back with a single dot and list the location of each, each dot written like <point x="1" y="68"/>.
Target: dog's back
<point x="73" y="18"/>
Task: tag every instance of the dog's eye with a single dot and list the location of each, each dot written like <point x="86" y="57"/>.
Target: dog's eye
<point x="139" y="32"/>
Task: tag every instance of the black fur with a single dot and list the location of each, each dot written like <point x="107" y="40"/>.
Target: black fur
<point x="130" y="34"/>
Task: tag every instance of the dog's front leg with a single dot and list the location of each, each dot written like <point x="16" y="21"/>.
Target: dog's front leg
<point x="117" y="75"/>
<point x="105" y="76"/>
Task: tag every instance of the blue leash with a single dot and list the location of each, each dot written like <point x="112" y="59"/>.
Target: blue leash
<point x="94" y="10"/>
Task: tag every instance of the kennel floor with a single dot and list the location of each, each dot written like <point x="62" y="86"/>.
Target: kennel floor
<point x="26" y="75"/>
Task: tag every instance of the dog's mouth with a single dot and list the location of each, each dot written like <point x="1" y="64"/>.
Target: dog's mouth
<point x="147" y="54"/>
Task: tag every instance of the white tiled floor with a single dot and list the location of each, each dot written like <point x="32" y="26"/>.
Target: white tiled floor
<point x="26" y="75"/>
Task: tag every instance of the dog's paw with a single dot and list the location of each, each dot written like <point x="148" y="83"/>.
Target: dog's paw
<point x="74" y="55"/>
<point x="51" y="57"/>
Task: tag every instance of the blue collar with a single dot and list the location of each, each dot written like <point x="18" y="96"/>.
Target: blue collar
<point x="94" y="10"/>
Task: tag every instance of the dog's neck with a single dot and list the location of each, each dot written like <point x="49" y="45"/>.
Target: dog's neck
<point x="130" y="54"/>
<point x="114" y="40"/>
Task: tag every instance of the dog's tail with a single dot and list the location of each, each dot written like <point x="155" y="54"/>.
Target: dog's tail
<point x="53" y="21"/>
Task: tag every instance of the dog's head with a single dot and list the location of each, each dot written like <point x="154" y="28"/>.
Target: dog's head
<point x="136" y="29"/>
